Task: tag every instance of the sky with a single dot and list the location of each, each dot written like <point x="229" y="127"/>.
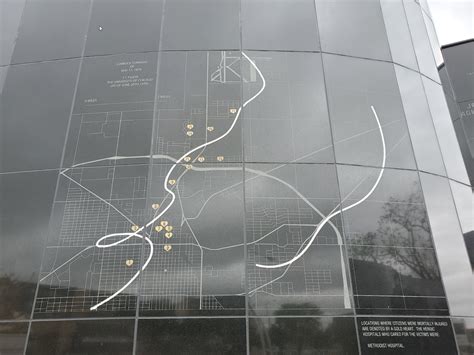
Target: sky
<point x="453" y="19"/>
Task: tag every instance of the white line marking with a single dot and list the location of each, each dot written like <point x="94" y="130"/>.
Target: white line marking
<point x="99" y="245"/>
<point x="332" y="214"/>
<point x="173" y="196"/>
<point x="97" y="196"/>
<point x="67" y="261"/>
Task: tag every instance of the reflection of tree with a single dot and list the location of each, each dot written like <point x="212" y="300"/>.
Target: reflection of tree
<point x="16" y="297"/>
<point x="341" y="335"/>
<point x="403" y="230"/>
<point x="297" y="333"/>
<point x="191" y="336"/>
<point x="300" y="329"/>
<point x="105" y="337"/>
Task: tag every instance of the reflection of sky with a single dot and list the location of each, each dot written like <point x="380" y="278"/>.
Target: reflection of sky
<point x="453" y="19"/>
<point x="469" y="323"/>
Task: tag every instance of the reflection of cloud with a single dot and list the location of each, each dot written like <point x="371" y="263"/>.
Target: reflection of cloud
<point x="469" y="323"/>
<point x="229" y="279"/>
<point x="220" y="279"/>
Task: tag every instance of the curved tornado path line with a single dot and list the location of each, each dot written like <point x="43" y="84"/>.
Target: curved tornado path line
<point x="127" y="236"/>
<point x="332" y="213"/>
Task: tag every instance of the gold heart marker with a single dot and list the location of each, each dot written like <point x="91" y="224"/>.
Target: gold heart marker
<point x="167" y="247"/>
<point x="164" y="223"/>
<point x="168" y="235"/>
<point x="172" y="181"/>
<point x="220" y="158"/>
<point x="233" y="110"/>
<point x="169" y="228"/>
<point x="129" y="262"/>
<point x="210" y="128"/>
<point x="155" y="206"/>
<point x="190" y="126"/>
<point x="189" y="133"/>
<point x="135" y="228"/>
<point x="158" y="228"/>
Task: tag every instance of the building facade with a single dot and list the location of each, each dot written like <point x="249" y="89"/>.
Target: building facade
<point x="457" y="77"/>
<point x="229" y="176"/>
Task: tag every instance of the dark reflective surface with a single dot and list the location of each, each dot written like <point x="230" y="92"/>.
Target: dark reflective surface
<point x="398" y="33"/>
<point x="406" y="336"/>
<point x="394" y="265"/>
<point x="36" y="103"/>
<point x="124" y="26"/>
<point x="467" y="112"/>
<point x="279" y="25"/>
<point x="283" y="210"/>
<point x="191" y="336"/>
<point x="213" y="24"/>
<point x="93" y="202"/>
<point x="302" y="335"/>
<point x="421" y="41"/>
<point x="199" y="94"/>
<point x="353" y="27"/>
<point x="422" y="132"/>
<point x="464" y="330"/>
<point x="466" y="144"/>
<point x="448" y="143"/>
<point x="113" y="112"/>
<point x="288" y="120"/>
<point x="13" y="338"/>
<point x="433" y="38"/>
<point x="198" y="264"/>
<point x="10" y="26"/>
<point x="459" y="69"/>
<point x="81" y="337"/>
<point x="43" y="29"/>
<point x="25" y="207"/>
<point x="450" y="246"/>
<point x="234" y="194"/>
<point x="352" y="92"/>
<point x="463" y="197"/>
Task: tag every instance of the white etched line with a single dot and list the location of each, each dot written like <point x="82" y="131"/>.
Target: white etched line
<point x="67" y="261"/>
<point x="97" y="196"/>
<point x="173" y="196"/>
<point x="120" y="290"/>
<point x="332" y="214"/>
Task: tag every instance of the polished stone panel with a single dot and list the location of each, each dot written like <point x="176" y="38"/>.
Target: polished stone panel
<point x="393" y="261"/>
<point x="203" y="25"/>
<point x="46" y="30"/>
<point x="198" y="101"/>
<point x="449" y="244"/>
<point x="283" y="209"/>
<point x="81" y="337"/>
<point x="13" y="338"/>
<point x="279" y="25"/>
<point x="196" y="336"/>
<point x="353" y="28"/>
<point x="35" y="104"/>
<point x="77" y="273"/>
<point x="310" y="335"/>
<point x="231" y="177"/>
<point x="120" y="26"/>
<point x="358" y="103"/>
<point x="286" y="118"/>
<point x="25" y="207"/>
<point x="406" y="336"/>
<point x="198" y="266"/>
